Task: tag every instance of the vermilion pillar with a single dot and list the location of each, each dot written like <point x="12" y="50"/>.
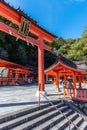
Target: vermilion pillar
<point x="41" y="65"/>
<point x="8" y="76"/>
<point x="82" y="78"/>
<point x="8" y="73"/>
<point x="79" y="78"/>
<point x="57" y="80"/>
<point x="74" y="80"/>
<point x="65" y="82"/>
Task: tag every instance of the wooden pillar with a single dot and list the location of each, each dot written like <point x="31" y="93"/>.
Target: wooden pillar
<point x="41" y="66"/>
<point x="16" y="75"/>
<point x="74" y="80"/>
<point x="65" y="80"/>
<point x="8" y="76"/>
<point x="57" y="80"/>
<point x="82" y="78"/>
<point x="25" y="78"/>
<point x="79" y="79"/>
<point x="22" y="76"/>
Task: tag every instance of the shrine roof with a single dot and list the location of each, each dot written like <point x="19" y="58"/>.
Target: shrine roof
<point x="4" y="63"/>
<point x="66" y="65"/>
<point x="65" y="61"/>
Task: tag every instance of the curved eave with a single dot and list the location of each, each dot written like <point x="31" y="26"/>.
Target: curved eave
<point x="54" y="67"/>
<point x="8" y="64"/>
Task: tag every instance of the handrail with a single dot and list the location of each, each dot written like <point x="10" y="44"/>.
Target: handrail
<point x="60" y="112"/>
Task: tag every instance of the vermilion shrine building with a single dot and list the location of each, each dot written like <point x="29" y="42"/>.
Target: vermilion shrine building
<point x="11" y="73"/>
<point x="63" y="68"/>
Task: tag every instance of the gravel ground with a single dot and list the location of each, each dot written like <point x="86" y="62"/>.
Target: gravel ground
<point x="13" y="98"/>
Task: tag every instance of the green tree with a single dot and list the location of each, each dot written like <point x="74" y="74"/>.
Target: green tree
<point x="64" y="49"/>
<point x="78" y="51"/>
<point x="84" y="34"/>
<point x="70" y="41"/>
<point x="57" y="43"/>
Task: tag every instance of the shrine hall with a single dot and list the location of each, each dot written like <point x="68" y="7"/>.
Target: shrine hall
<point x="11" y="73"/>
<point x="68" y="71"/>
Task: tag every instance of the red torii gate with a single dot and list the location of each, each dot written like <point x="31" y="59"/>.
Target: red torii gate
<point x="15" y="17"/>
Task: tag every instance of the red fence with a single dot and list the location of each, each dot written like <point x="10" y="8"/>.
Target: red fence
<point x="78" y="94"/>
<point x="7" y="80"/>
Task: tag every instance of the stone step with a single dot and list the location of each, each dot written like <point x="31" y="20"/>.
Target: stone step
<point x="28" y="117"/>
<point x="40" y="120"/>
<point x="22" y="112"/>
<point x="62" y="125"/>
<point x="35" y="122"/>
<point x="77" y="121"/>
<point x="83" y="126"/>
<point x="49" y="124"/>
<point x="44" y="117"/>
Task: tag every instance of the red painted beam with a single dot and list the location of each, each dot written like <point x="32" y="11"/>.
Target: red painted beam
<point x="15" y="17"/>
<point x="48" y="48"/>
<point x="14" y="32"/>
<point x="9" y="14"/>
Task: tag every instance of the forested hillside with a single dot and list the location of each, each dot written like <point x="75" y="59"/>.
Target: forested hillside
<point x="73" y="49"/>
<point x="18" y="51"/>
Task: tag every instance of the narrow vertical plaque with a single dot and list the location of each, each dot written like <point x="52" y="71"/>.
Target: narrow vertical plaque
<point x="24" y="26"/>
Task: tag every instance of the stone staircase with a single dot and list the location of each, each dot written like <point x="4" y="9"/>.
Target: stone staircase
<point x="45" y="117"/>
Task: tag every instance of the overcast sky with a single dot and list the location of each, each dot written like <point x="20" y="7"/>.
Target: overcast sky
<point x="65" y="18"/>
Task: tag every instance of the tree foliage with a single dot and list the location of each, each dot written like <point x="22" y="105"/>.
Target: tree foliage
<point x="73" y="49"/>
<point x="84" y="34"/>
<point x="78" y="50"/>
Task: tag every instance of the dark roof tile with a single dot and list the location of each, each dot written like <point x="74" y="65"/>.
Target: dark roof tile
<point x="64" y="61"/>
